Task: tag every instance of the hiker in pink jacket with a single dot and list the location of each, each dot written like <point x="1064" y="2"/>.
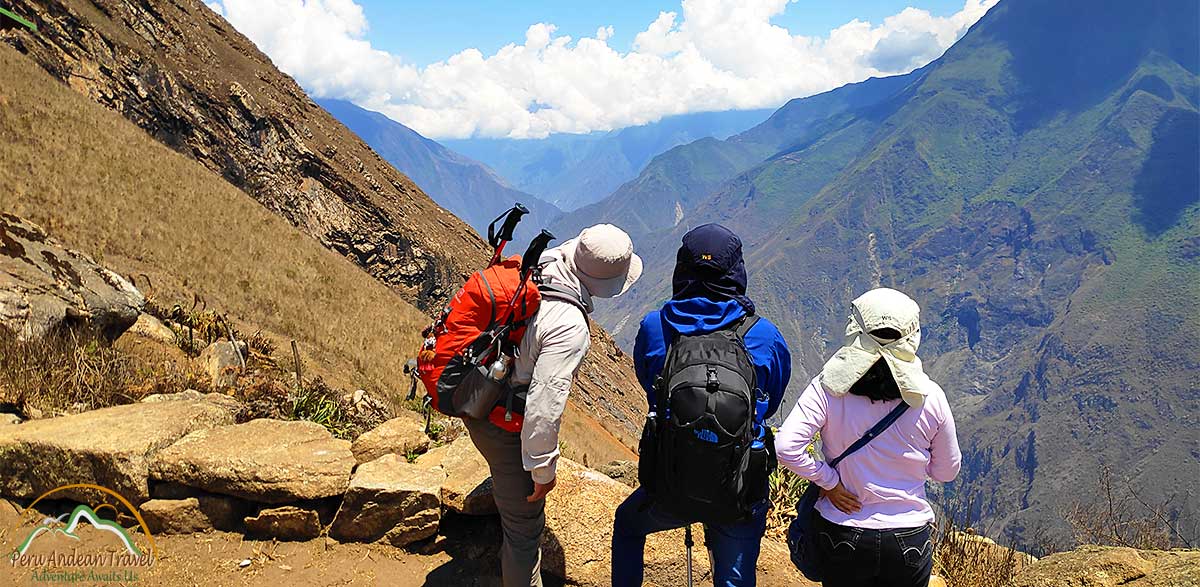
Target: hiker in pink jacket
<point x="874" y="523"/>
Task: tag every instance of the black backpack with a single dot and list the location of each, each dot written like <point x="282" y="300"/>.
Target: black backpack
<point x="696" y="448"/>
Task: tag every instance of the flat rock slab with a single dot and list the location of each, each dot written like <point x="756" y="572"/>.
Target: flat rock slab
<point x="1105" y="566"/>
<point x="268" y="461"/>
<point x="390" y="499"/>
<point x="175" y="516"/>
<point x="402" y="435"/>
<point x="467" y="488"/>
<point x="191" y="394"/>
<point x="112" y="447"/>
<point x="285" y="523"/>
<point x="223" y="512"/>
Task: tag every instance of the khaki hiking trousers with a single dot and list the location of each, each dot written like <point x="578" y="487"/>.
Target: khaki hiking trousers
<point x="522" y="522"/>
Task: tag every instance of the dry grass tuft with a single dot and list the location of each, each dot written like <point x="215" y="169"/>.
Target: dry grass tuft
<point x="71" y="372"/>
<point x="786" y="488"/>
<point x="966" y="559"/>
<point x="1118" y="515"/>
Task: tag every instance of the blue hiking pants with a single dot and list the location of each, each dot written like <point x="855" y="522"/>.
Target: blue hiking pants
<point x="733" y="548"/>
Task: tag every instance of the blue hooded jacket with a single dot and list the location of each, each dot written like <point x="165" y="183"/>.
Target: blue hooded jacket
<point x="691" y="316"/>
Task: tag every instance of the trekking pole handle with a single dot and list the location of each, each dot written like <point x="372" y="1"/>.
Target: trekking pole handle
<point x="511" y="218"/>
<point x="536" y="247"/>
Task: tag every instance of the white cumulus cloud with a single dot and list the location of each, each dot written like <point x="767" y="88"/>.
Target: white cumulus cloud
<point x="710" y="55"/>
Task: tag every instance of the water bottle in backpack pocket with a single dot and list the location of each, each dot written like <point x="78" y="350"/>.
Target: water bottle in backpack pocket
<point x="648" y="454"/>
<point x="762" y="464"/>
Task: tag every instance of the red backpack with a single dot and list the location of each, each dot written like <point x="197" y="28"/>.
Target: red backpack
<point x="467" y="356"/>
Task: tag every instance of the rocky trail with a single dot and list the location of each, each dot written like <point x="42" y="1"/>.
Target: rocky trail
<point x="300" y="505"/>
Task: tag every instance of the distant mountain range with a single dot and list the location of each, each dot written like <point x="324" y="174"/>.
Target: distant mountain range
<point x="571" y="171"/>
<point x="465" y="187"/>
<point x="1036" y="189"/>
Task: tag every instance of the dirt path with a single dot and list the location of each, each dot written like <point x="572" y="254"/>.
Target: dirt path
<point x="464" y="555"/>
<point x="217" y="559"/>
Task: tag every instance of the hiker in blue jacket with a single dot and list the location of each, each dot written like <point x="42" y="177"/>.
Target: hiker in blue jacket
<point x="709" y="293"/>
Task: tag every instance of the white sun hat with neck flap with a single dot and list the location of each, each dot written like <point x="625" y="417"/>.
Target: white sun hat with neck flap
<point x="874" y="310"/>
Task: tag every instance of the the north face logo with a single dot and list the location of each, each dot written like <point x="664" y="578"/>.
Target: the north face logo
<point x="706" y="435"/>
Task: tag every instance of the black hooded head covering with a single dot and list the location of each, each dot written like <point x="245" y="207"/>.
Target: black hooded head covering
<point x="710" y="265"/>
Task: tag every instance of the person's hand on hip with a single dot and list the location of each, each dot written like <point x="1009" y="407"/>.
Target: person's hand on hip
<point x="842" y="499"/>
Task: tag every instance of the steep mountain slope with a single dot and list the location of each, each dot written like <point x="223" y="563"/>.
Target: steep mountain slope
<point x="465" y="187"/>
<point x="1037" y="189"/>
<point x="675" y="182"/>
<point x="187" y="78"/>
<point x="575" y="170"/>
<point x="103" y="185"/>
<point x="182" y="73"/>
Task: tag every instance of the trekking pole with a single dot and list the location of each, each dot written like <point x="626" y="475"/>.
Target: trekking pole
<point x="529" y="262"/>
<point x="498" y="239"/>
<point x="687" y="542"/>
<point x="536" y="247"/>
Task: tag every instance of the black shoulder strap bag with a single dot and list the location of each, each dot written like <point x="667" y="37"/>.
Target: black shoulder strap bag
<point x="800" y="538"/>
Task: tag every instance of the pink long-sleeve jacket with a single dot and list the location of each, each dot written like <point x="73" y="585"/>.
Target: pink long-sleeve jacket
<point x="888" y="475"/>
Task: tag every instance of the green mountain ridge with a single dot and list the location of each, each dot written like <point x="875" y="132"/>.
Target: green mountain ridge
<point x="574" y="170"/>
<point x="1037" y="189"/>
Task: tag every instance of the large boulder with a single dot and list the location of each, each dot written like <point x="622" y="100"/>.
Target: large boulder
<point x="222" y="363"/>
<point x="390" y="499"/>
<point x="45" y="286"/>
<point x="402" y="435"/>
<point x="268" y="461"/>
<point x="112" y="447"/>
<point x="284" y="523"/>
<point x="577" y="544"/>
<point x="1104" y="566"/>
<point x="467" y="488"/>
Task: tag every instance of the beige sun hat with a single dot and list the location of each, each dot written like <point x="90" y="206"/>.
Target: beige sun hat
<point x="602" y="258"/>
<point x="881" y="308"/>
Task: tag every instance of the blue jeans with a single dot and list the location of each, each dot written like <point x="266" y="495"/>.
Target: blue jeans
<point x="732" y="547"/>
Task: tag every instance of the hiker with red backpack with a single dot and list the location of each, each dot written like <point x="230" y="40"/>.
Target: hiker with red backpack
<point x="503" y="357"/>
<point x="713" y="372"/>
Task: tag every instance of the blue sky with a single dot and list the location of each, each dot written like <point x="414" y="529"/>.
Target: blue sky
<point x="536" y="68"/>
<point x="422" y="32"/>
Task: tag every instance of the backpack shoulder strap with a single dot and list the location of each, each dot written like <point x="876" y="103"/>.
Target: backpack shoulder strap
<point x="875" y="430"/>
<point x="565" y="294"/>
<point x="745" y="324"/>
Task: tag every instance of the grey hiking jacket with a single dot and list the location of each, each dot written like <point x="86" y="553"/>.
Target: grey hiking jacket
<point x="551" y="351"/>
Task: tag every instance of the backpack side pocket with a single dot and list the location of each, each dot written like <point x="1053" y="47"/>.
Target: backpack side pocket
<point x="762" y="464"/>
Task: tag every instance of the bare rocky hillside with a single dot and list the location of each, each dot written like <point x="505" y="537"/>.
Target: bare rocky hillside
<point x="187" y="78"/>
